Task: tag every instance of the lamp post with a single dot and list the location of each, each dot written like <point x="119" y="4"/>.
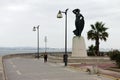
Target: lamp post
<point x="37" y="29"/>
<point x="45" y="44"/>
<point x="59" y="15"/>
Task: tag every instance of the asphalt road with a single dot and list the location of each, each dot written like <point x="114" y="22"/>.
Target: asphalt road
<point x="34" y="69"/>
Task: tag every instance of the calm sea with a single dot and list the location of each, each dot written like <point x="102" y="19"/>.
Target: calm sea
<point x="5" y="51"/>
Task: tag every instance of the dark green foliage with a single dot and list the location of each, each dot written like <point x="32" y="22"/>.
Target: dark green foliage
<point x="115" y="55"/>
<point x="118" y="60"/>
<point x="91" y="51"/>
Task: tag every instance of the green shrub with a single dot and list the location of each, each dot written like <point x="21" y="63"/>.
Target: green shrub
<point x="113" y="54"/>
<point x="118" y="60"/>
<point x="90" y="53"/>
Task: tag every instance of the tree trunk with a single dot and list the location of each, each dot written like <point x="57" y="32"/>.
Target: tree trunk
<point x="97" y="46"/>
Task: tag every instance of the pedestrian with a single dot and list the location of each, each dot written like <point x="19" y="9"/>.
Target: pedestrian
<point x="65" y="59"/>
<point x="45" y="57"/>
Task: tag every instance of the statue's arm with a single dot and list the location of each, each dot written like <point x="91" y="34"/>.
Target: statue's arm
<point x="81" y="16"/>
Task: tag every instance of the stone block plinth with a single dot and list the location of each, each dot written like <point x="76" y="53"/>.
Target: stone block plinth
<point x="78" y="47"/>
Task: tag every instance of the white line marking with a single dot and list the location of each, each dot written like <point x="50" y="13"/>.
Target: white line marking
<point x="45" y="79"/>
<point x="35" y="59"/>
<point x="52" y="64"/>
<point x="11" y="62"/>
<point x="14" y="66"/>
<point x="18" y="72"/>
<point x="6" y="77"/>
<point x="69" y="70"/>
<point x="97" y="79"/>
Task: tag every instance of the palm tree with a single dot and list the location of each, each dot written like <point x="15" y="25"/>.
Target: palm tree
<point x="97" y="32"/>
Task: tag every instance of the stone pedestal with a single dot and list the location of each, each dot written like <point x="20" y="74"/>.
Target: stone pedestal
<point x="78" y="47"/>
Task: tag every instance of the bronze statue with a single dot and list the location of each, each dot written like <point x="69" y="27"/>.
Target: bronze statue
<point x="79" y="22"/>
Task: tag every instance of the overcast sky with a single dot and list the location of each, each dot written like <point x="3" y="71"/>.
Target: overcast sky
<point x="17" y="18"/>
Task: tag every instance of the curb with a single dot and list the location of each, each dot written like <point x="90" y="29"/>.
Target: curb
<point x="108" y="76"/>
<point x="4" y="76"/>
<point x="80" y="69"/>
<point x="104" y="75"/>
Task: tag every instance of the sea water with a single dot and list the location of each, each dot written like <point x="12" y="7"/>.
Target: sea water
<point x="15" y="51"/>
<point x="5" y="51"/>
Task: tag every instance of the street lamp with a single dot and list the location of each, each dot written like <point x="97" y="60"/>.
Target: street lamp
<point x="37" y="29"/>
<point x="45" y="44"/>
<point x="59" y="15"/>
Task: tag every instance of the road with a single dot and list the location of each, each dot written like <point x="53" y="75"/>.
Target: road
<point x="34" y="69"/>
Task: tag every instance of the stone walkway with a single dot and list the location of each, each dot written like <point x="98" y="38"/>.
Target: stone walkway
<point x="103" y="72"/>
<point x="35" y="69"/>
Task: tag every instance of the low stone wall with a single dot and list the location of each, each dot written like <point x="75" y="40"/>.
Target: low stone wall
<point x="87" y="60"/>
<point x="1" y="69"/>
<point x="58" y="57"/>
<point x="29" y="55"/>
<point x="55" y="59"/>
<point x="90" y="60"/>
<point x="32" y="55"/>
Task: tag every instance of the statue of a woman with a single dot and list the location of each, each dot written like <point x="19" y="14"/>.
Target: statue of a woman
<point x="79" y="22"/>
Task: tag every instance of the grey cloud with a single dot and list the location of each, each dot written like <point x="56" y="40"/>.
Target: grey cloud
<point x="43" y="12"/>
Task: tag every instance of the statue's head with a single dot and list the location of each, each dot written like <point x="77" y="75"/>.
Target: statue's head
<point x="76" y="11"/>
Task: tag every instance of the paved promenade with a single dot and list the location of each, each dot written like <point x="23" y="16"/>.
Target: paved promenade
<point x="34" y="69"/>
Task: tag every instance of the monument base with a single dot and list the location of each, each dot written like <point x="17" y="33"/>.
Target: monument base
<point x="78" y="47"/>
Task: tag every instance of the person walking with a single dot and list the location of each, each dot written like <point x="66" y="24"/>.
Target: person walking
<point x="45" y="57"/>
<point x="65" y="59"/>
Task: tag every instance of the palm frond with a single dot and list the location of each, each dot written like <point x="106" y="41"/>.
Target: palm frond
<point x="92" y="26"/>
